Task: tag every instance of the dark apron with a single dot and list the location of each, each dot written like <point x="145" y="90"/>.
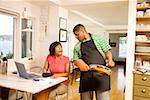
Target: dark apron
<point x="92" y="80"/>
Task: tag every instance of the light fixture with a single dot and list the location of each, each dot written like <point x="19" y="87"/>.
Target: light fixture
<point x="25" y="13"/>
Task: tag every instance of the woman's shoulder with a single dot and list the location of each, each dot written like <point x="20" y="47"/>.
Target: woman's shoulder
<point x="50" y="57"/>
<point x="65" y="57"/>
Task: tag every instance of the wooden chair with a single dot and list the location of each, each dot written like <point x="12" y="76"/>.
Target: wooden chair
<point x="66" y="96"/>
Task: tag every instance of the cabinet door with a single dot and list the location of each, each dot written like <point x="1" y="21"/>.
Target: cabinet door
<point x="141" y="91"/>
<point x="141" y="79"/>
<point x="140" y="98"/>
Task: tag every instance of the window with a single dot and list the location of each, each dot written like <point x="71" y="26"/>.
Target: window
<point x="6" y="35"/>
<point x="26" y="38"/>
<point x="9" y="26"/>
<point x="122" y="47"/>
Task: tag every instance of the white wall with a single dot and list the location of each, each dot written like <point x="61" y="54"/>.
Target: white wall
<point x="64" y="14"/>
<point x="53" y="33"/>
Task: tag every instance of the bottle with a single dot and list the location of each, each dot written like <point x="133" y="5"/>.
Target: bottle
<point x="1" y="65"/>
<point x="4" y="66"/>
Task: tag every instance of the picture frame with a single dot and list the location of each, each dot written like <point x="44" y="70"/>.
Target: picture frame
<point x="62" y="35"/>
<point x="62" y="23"/>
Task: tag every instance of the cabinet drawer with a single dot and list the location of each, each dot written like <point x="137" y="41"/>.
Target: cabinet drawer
<point x="142" y="79"/>
<point x="141" y="91"/>
<point x="140" y="98"/>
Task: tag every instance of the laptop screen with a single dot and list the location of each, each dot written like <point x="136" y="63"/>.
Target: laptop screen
<point x="21" y="70"/>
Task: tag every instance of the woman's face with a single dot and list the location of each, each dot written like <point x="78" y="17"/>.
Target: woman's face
<point x="58" y="50"/>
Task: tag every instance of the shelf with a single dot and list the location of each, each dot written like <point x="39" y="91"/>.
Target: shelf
<point x="143" y="8"/>
<point x="142" y="54"/>
<point x="142" y="31"/>
<point x="143" y="18"/>
<point x="143" y="43"/>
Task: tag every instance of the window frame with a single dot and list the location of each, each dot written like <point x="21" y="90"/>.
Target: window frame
<point x="16" y="30"/>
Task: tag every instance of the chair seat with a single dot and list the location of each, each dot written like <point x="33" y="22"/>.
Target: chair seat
<point x="62" y="97"/>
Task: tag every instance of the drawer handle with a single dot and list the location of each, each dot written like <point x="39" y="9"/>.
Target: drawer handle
<point x="144" y="78"/>
<point x="143" y="91"/>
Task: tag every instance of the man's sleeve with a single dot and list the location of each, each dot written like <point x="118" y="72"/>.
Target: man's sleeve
<point x="76" y="52"/>
<point x="104" y="45"/>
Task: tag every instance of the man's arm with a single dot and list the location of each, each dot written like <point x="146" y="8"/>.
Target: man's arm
<point x="76" y="59"/>
<point x="109" y="60"/>
<point x="81" y="65"/>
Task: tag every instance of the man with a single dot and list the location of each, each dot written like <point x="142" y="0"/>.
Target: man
<point x="92" y="49"/>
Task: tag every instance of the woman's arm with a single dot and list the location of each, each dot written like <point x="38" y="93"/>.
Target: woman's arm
<point x="66" y="73"/>
<point x="45" y="68"/>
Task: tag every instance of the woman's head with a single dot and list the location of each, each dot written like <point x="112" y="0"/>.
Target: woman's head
<point x="55" y="49"/>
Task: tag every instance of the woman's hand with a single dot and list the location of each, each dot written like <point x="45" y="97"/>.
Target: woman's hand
<point x="55" y="76"/>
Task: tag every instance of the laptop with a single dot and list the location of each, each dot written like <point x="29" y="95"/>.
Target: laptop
<point x="23" y="73"/>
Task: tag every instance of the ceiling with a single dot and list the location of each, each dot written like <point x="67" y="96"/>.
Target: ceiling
<point x="102" y="13"/>
<point x="112" y="13"/>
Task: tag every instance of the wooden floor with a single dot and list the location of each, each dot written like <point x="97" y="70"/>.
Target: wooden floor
<point x="117" y="85"/>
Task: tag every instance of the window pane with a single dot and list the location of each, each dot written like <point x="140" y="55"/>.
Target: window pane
<point x="26" y="44"/>
<point x="6" y="36"/>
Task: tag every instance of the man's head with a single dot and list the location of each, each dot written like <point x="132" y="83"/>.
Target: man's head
<point x="80" y="32"/>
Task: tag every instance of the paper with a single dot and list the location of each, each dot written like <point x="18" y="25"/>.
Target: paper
<point x="47" y="80"/>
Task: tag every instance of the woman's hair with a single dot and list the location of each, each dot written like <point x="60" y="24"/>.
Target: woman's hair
<point x="52" y="47"/>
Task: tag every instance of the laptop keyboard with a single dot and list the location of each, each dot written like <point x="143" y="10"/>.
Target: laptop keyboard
<point x="34" y="76"/>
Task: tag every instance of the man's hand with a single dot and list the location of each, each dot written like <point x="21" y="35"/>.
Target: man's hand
<point x="85" y="68"/>
<point x="110" y="62"/>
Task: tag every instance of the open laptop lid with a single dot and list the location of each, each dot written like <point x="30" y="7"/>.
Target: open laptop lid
<point x="21" y="70"/>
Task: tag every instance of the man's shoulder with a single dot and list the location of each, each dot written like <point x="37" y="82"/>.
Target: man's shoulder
<point x="96" y="35"/>
<point x="77" y="44"/>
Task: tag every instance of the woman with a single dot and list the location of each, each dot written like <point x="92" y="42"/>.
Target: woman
<point x="58" y="65"/>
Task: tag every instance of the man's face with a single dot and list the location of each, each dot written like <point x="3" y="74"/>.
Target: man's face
<point x="79" y="35"/>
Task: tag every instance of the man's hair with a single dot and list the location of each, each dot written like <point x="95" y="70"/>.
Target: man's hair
<point x="77" y="27"/>
<point x="52" y="47"/>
